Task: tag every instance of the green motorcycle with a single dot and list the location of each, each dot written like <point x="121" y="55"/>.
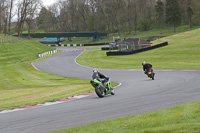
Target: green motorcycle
<point x="102" y="89"/>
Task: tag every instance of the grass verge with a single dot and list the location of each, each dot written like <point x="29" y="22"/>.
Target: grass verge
<point x="181" y="53"/>
<point x="179" y="119"/>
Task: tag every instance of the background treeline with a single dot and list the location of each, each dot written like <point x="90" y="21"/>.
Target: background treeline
<point x="97" y="15"/>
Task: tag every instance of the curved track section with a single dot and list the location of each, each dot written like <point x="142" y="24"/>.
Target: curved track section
<point x="136" y="95"/>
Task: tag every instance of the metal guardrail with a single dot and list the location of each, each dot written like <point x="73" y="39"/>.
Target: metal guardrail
<point x="47" y="53"/>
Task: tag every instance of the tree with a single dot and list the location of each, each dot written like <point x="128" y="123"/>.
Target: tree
<point x="92" y="17"/>
<point x="173" y="15"/>
<point x="22" y="13"/>
<point x="159" y="8"/>
<point x="41" y="18"/>
<point x="26" y="12"/>
<point x="31" y="14"/>
<point x="135" y="16"/>
<point x="128" y="8"/>
<point x="10" y="16"/>
<point x="44" y="19"/>
<point x="190" y="13"/>
<point x="83" y="13"/>
<point x="54" y="11"/>
<point x="146" y="14"/>
<point x="72" y="9"/>
<point x="6" y="14"/>
<point x="99" y="15"/>
<point x="103" y="18"/>
<point x="4" y="7"/>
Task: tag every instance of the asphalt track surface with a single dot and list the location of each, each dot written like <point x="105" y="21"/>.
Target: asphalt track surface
<point x="136" y="95"/>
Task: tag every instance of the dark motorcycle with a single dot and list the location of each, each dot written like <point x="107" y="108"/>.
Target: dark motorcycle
<point x="150" y="73"/>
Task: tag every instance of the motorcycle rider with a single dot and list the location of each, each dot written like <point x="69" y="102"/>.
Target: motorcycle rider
<point x="146" y="67"/>
<point x="99" y="76"/>
<point x="102" y="78"/>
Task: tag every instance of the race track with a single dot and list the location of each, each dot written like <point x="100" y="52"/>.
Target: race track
<point x="136" y="95"/>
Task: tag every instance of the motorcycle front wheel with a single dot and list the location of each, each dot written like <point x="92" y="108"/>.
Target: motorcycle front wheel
<point x="112" y="91"/>
<point x="99" y="91"/>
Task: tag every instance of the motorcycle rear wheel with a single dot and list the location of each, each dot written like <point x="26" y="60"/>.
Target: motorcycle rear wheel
<point x="152" y="76"/>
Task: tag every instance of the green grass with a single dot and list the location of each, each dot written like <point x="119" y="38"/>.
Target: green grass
<point x="179" y="119"/>
<point x="167" y="31"/>
<point x="181" y="53"/>
<point x="22" y="85"/>
<point x="20" y="51"/>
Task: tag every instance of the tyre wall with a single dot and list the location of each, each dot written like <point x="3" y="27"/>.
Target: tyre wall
<point x="137" y="51"/>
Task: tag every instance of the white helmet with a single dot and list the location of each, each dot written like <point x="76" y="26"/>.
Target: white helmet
<point x="94" y="70"/>
<point x="143" y="63"/>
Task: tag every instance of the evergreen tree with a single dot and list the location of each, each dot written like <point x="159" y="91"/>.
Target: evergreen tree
<point x="173" y="15"/>
<point x="41" y="18"/>
<point x="44" y="20"/>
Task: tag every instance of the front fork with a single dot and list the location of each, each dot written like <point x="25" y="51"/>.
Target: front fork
<point x="108" y="87"/>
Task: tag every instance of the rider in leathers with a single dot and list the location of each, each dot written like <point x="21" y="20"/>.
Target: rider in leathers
<point x="99" y="76"/>
<point x="102" y="78"/>
<point x="146" y="66"/>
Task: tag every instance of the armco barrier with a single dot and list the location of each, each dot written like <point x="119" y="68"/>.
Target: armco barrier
<point x="96" y="44"/>
<point x="109" y="48"/>
<point x="74" y="45"/>
<point x="47" y="53"/>
<point x="136" y="51"/>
